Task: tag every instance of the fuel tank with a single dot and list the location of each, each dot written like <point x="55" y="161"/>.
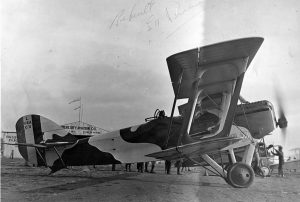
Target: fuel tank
<point x="257" y="117"/>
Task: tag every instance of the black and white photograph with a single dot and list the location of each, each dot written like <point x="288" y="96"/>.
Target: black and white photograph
<point x="147" y="100"/>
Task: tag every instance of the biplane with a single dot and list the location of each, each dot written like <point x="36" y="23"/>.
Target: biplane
<point x="210" y="78"/>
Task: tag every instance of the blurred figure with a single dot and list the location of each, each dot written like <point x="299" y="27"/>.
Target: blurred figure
<point x="128" y="167"/>
<point x="167" y="167"/>
<point x="185" y="168"/>
<point x="146" y="167"/>
<point x="140" y="166"/>
<point x="279" y="153"/>
<point x="152" y="166"/>
<point x="178" y="165"/>
<point x="12" y="154"/>
<point x="113" y="167"/>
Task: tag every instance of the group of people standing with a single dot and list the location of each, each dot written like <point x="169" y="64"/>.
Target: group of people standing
<point x="143" y="166"/>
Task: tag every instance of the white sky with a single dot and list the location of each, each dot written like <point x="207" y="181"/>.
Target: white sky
<point x="113" y="56"/>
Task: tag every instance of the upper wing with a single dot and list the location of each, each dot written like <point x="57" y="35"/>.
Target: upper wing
<point x="211" y="78"/>
<point x="220" y="54"/>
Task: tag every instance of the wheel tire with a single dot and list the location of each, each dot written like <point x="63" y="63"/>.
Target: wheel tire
<point x="228" y="167"/>
<point x="240" y="175"/>
<point x="265" y="171"/>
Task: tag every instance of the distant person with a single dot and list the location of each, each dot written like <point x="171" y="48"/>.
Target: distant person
<point x="113" y="167"/>
<point x="178" y="165"/>
<point x="185" y="168"/>
<point x="152" y="166"/>
<point x="146" y="167"/>
<point x="140" y="167"/>
<point x="279" y="153"/>
<point x="128" y="167"/>
<point x="167" y="167"/>
<point x="12" y="154"/>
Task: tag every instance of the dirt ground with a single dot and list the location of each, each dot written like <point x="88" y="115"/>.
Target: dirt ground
<point x="21" y="183"/>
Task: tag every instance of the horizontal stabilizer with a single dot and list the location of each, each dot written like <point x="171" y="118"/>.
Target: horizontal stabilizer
<point x="53" y="144"/>
<point x="27" y="145"/>
<point x="201" y="147"/>
<point x="43" y="145"/>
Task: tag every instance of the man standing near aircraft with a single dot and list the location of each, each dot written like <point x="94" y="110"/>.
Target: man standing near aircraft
<point x="152" y="166"/>
<point x="167" y="166"/>
<point x="279" y="153"/>
<point x="146" y="167"/>
<point x="178" y="165"/>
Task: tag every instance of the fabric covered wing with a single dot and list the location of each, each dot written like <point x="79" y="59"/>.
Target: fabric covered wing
<point x="221" y="53"/>
<point x="200" y="147"/>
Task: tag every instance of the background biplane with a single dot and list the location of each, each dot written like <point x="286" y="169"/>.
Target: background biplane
<point x="210" y="78"/>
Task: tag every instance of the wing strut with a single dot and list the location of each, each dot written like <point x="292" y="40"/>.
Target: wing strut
<point x="173" y="107"/>
<point x="62" y="161"/>
<point x="198" y="163"/>
<point x="187" y="121"/>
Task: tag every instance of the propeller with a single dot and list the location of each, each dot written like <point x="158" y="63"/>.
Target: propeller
<point x="282" y="121"/>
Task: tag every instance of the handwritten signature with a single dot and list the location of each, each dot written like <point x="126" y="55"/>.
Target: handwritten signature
<point x="180" y="10"/>
<point x="153" y="16"/>
<point x="122" y="16"/>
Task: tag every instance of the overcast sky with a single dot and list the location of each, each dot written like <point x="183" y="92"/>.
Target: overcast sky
<point x="112" y="54"/>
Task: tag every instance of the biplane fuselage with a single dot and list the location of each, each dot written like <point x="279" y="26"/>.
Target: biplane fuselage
<point x="132" y="144"/>
<point x="210" y="78"/>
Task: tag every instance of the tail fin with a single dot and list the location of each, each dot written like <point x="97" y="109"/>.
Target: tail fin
<point x="35" y="129"/>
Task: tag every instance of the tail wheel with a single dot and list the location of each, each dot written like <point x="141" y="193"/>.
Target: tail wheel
<point x="240" y="175"/>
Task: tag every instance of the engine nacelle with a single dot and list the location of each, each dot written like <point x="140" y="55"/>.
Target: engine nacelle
<point x="257" y="117"/>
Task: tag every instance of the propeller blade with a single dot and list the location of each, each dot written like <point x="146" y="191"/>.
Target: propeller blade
<point x="282" y="121"/>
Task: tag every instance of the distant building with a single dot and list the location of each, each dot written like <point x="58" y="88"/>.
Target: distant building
<point x="81" y="128"/>
<point x="8" y="150"/>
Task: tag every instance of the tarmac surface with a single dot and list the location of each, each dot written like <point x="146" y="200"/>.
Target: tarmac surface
<point x="22" y="183"/>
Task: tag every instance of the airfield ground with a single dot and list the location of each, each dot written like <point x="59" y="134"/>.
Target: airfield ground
<point x="21" y="183"/>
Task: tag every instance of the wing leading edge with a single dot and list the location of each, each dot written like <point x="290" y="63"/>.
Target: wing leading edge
<point x="191" y="60"/>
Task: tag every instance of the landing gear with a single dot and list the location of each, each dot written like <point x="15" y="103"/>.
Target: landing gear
<point x="237" y="174"/>
<point x="265" y="171"/>
<point x="240" y="175"/>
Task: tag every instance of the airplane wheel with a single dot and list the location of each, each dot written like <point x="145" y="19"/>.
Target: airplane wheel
<point x="227" y="167"/>
<point x="240" y="175"/>
<point x="265" y="171"/>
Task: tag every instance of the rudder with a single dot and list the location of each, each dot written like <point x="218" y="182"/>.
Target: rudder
<point x="34" y="129"/>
